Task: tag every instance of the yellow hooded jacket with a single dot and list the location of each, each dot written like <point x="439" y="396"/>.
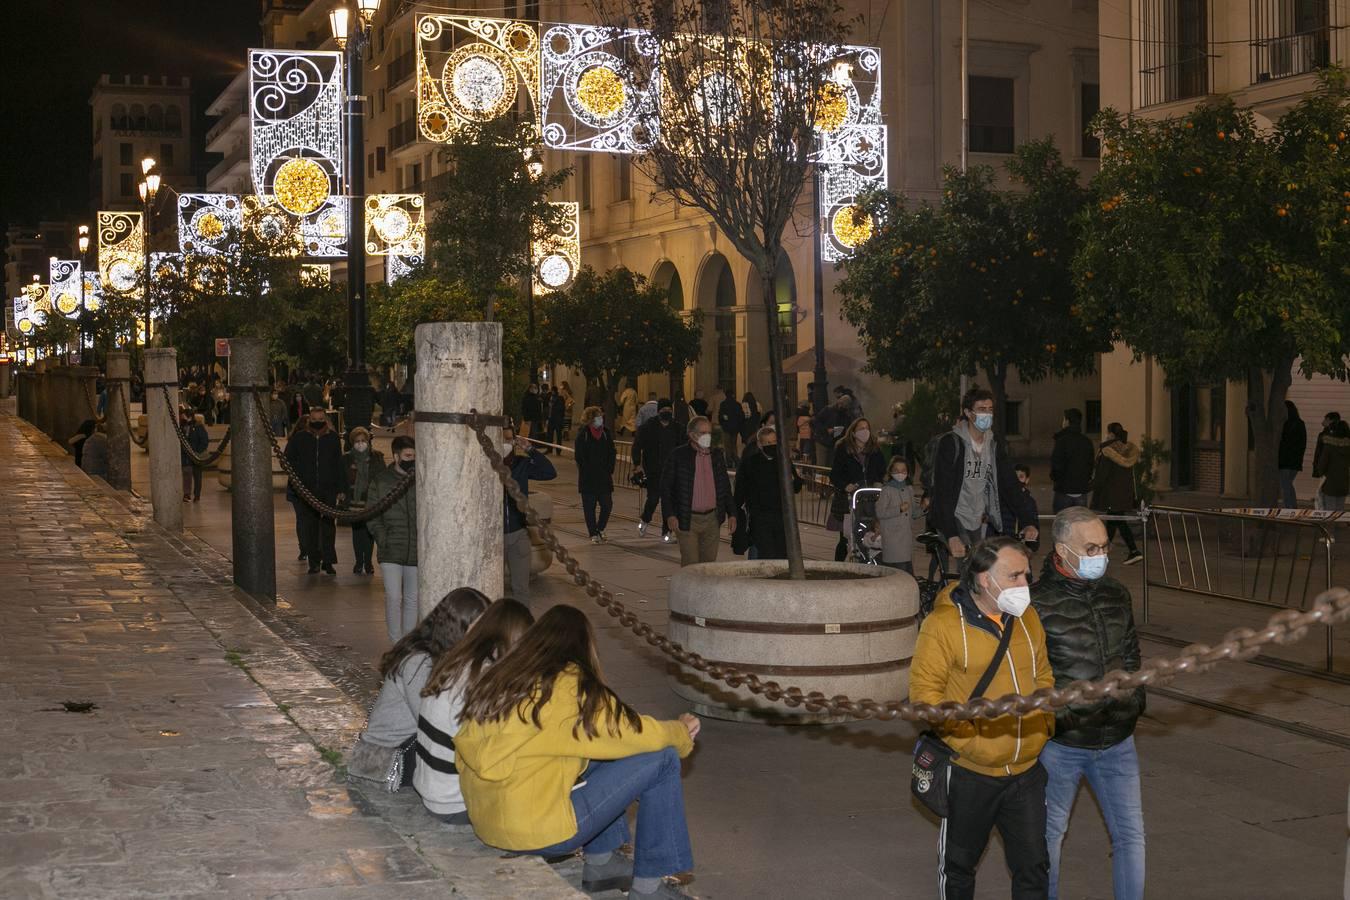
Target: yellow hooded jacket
<point x="955" y="645"/>
<point x="517" y="778"/>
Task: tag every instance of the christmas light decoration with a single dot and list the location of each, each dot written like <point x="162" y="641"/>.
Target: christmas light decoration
<point x="121" y="250"/>
<point x="395" y="225"/>
<point x="555" y="259"/>
<point x="478" y="78"/>
<point x="316" y="275"/>
<point x="589" y="99"/>
<point x="851" y="226"/>
<point x="66" y="276"/>
<point x="301" y="186"/>
<point x="397" y="267"/>
<point x="209" y="224"/>
<point x="93" y="292"/>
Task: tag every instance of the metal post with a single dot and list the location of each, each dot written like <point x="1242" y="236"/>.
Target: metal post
<point x="1143" y="565"/>
<point x="459" y="500"/>
<point x="360" y="398"/>
<point x="166" y="469"/>
<point x="115" y="413"/>
<point x="965" y="86"/>
<point x="252" y="526"/>
<point x="149" y="302"/>
<point x="1331" y="631"/>
<point x="820" y="392"/>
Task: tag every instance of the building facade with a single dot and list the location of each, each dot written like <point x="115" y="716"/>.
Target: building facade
<point x="134" y="117"/>
<point x="1161" y="58"/>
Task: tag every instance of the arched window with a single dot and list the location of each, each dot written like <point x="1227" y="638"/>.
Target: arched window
<point x="137" y="117"/>
<point x="173" y="120"/>
<point x="118" y="119"/>
<point x="155" y="118"/>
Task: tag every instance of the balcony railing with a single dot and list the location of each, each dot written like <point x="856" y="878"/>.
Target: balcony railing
<point x="402" y="134"/>
<point x="1174" y="50"/>
<point x="400" y="69"/>
<point x="1291" y="38"/>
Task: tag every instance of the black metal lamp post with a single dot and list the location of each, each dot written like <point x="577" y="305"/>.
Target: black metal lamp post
<point x="149" y="188"/>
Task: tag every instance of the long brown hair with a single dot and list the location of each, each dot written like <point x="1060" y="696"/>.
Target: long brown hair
<point x="487" y="641"/>
<point x="523" y="680"/>
<point x="847" y="444"/>
<point x="443" y="627"/>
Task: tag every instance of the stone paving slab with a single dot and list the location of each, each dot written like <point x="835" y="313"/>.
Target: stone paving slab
<point x="160" y="741"/>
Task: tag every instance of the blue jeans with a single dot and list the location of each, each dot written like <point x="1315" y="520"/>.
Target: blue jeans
<point x="1113" y="774"/>
<point x="1288" y="496"/>
<point x="661" y="846"/>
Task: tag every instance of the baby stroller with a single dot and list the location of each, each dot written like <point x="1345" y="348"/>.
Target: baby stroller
<point x="865" y="536"/>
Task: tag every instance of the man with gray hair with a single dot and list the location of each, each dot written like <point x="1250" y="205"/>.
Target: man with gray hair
<point x="1089" y="631"/>
<point x="696" y="494"/>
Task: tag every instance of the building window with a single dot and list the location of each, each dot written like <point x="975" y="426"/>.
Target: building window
<point x="124" y="184"/>
<point x="1092" y="417"/>
<point x="623" y="189"/>
<point x="1173" y="50"/>
<point x="991" y="115"/>
<point x="1012" y="418"/>
<point x="584" y="181"/>
<point x="118" y="118"/>
<point x="124" y="154"/>
<point x="382" y="97"/>
<point x="532" y="10"/>
<point x="414" y="176"/>
<point x="1089" y="104"/>
<point x="166" y="155"/>
<point x="370" y="165"/>
<point x="1291" y="37"/>
<point x="379" y="159"/>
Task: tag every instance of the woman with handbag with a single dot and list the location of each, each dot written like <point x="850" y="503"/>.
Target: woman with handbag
<point x="385" y="751"/>
<point x="550" y="759"/>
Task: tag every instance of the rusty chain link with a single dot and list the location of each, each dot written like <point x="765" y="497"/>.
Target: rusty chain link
<point x="1284" y="627"/>
<point x="341" y="517"/>
<point x="89" y="401"/>
<point x="124" y="392"/>
<point x="200" y="462"/>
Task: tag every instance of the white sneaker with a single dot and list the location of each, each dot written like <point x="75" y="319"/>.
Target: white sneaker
<point x="595" y="539"/>
<point x="603" y="539"/>
<point x="642" y="528"/>
<point x="667" y="538"/>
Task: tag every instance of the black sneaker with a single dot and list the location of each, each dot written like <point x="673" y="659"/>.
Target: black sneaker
<point x="314" y="570"/>
<point x="615" y="875"/>
<point x="1135" y="557"/>
<point x="357" y="569"/>
<point x="328" y="569"/>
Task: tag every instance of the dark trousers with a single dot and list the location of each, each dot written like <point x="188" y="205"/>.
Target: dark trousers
<point x="1126" y="532"/>
<point x="651" y="503"/>
<point x="318" y="536"/>
<point x="1064" y="501"/>
<point x="589" y="505"/>
<point x="363" y="544"/>
<point x="1015" y="805"/>
<point x="192" y="482"/>
<point x="729" y="439"/>
<point x="767" y="535"/>
<point x="554" y="435"/>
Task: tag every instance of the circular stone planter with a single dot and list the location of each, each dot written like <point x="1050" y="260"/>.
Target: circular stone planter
<point x="851" y="634"/>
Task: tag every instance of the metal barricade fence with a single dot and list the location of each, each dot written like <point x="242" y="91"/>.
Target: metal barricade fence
<point x="1238" y="557"/>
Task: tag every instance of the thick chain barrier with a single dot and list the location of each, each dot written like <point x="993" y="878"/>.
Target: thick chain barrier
<point x="123" y="392"/>
<point x="196" y="459"/>
<point x="340" y="516"/>
<point x="1285" y="627"/>
<point x="90" y="403"/>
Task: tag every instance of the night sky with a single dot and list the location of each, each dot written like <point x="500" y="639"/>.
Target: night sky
<point x="51" y="54"/>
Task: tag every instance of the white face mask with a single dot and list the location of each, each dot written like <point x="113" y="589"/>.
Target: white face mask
<point x="508" y="447"/>
<point x="361" y="446"/>
<point x="862" y="434"/>
<point x="1014" y="600"/>
<point x="705" y="441"/>
<point x="598" y="422"/>
<point x="899" y="477"/>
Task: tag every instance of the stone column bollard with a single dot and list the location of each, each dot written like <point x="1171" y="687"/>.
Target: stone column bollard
<point x="58" y="379"/>
<point x="166" y="459"/>
<point x="459" y="499"/>
<point x="6" y="378"/>
<point x="252" y="528"/>
<point x="42" y="411"/>
<point x="116" y="413"/>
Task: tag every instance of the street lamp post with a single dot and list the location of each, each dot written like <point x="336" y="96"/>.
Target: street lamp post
<point x="534" y="168"/>
<point x="84" y="258"/>
<point x="149" y="187"/>
<point x="820" y="394"/>
<point x="352" y="35"/>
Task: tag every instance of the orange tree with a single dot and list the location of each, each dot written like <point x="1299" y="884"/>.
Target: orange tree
<point x="980" y="283"/>
<point x="1220" y="249"/>
<point x="616" y="324"/>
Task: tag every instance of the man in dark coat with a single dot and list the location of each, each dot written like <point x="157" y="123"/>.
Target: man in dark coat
<point x="1293" y="445"/>
<point x="655" y="439"/>
<point x="1071" y="463"/>
<point x="757" y="491"/>
<point x="316" y="456"/>
<point x="531" y="411"/>
<point x="731" y="419"/>
<point x="696" y="495"/>
<point x="1089" y="631"/>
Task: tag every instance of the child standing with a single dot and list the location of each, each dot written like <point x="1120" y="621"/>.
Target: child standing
<point x="896" y="512"/>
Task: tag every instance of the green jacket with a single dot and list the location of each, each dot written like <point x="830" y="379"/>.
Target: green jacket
<point x="361" y="467"/>
<point x="394" y="530"/>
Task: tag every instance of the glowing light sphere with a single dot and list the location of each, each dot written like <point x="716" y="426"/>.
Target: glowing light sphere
<point x="301" y="186"/>
<point x="208" y="226"/>
<point x="393" y="225"/>
<point x="601" y="92"/>
<point x="122" y="275"/>
<point x="479" y="82"/>
<point x="555" y="271"/>
<point x="26" y="326"/>
<point x="67" y="303"/>
<point x="851" y="226"/>
<point x="832" y="107"/>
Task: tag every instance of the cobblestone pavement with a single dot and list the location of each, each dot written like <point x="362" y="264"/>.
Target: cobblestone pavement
<point x="1234" y="806"/>
<point x="159" y="741"/>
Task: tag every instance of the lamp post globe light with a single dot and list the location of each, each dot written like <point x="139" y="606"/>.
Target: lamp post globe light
<point x="84" y="260"/>
<point x="351" y="25"/>
<point x="149" y="188"/>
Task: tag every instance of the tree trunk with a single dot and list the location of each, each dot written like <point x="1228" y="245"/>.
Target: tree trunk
<point x="1267" y="414"/>
<point x="796" y="567"/>
<point x="997" y="373"/>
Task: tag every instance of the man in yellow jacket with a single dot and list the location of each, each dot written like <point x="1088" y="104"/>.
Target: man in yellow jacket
<point x="995" y="780"/>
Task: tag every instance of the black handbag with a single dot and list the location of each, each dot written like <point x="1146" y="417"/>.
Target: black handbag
<point x="933" y="758"/>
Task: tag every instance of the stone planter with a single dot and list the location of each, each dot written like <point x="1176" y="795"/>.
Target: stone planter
<point x="853" y="634"/>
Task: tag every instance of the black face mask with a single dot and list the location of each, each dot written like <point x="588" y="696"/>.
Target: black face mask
<point x="770" y="452"/>
<point x="665" y="417"/>
<point x="408" y="466"/>
<point x="317" y="426"/>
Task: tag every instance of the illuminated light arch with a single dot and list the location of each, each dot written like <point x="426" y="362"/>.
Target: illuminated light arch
<point x="589" y="99"/>
<point x="66" y="279"/>
<point x="396" y="225"/>
<point x="479" y="79"/>
<point x="209" y="224"/>
<point x="121" y="250"/>
<point x="556" y="259"/>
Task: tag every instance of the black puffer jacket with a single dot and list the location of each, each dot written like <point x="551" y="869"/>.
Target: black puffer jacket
<point x="677" y="485"/>
<point x="1089" y="631"/>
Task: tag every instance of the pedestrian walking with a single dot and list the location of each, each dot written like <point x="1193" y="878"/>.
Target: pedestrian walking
<point x="1334" y="465"/>
<point x="982" y="631"/>
<point x="1328" y="420"/>
<point x="569" y="403"/>
<point x="758" y="492"/>
<point x="316" y="456"/>
<point x="527" y="464"/>
<point x="1088" y="619"/>
<point x="313" y="393"/>
<point x="1071" y="463"/>
<point x="730" y="418"/>
<point x="804" y="433"/>
<point x="754" y="418"/>
<point x="550" y="759"/>
<point x="293" y="498"/>
<point x="828" y="425"/>
<point x="896" y="511"/>
<point x="645" y="412"/>
<point x="395" y="533"/>
<point x="595" y="455"/>
<point x="858" y="463"/>
<point x="1293" y="446"/>
<point x="361" y="463"/>
<point x="973" y="479"/>
<point x="277" y="416"/>
<point x="1113" y="487"/>
<point x="696" y="494"/>
<point x="627" y="411"/>
<point x="493" y="633"/>
<point x="654" y="442"/>
<point x="389" y="402"/>
<point x="531" y="411"/>
<point x="557" y="416"/>
<point x="699" y="405"/>
<point x="198" y="439"/>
